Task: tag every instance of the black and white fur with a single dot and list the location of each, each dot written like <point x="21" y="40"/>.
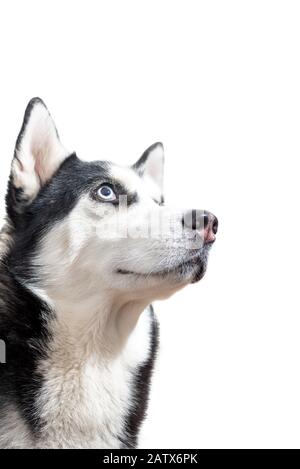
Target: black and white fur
<point x="75" y="305"/>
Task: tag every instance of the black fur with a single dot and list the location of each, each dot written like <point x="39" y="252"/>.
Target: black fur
<point x="141" y="389"/>
<point x="26" y="337"/>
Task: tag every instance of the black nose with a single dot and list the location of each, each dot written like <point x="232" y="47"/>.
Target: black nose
<point x="202" y="221"/>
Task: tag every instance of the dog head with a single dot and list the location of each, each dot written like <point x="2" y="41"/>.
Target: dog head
<point x="96" y="225"/>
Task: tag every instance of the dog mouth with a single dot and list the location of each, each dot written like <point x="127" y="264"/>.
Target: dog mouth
<point x="195" y="266"/>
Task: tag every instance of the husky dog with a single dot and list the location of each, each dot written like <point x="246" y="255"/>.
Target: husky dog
<point x="78" y="273"/>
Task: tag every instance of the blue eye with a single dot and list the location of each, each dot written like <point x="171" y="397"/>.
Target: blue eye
<point x="106" y="193"/>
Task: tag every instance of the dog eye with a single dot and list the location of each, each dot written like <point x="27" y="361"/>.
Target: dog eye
<point x="106" y="193"/>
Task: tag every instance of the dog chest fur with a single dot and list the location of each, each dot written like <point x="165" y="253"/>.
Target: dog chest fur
<point x="88" y="389"/>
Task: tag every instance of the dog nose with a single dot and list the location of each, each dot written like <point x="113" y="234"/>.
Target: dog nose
<point x="202" y="221"/>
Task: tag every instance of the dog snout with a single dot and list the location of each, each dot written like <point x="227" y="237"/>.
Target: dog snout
<point x="204" y="222"/>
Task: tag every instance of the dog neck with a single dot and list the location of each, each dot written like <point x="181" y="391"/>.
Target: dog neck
<point x="100" y="317"/>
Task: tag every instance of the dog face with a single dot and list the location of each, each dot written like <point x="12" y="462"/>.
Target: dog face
<point x="96" y="225"/>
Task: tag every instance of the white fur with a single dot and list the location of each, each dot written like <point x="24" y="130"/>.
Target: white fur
<point x="14" y="432"/>
<point x="87" y="390"/>
<point x="153" y="170"/>
<point x="5" y="237"/>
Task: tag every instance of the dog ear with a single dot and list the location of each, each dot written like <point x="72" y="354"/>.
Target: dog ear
<point x="151" y="164"/>
<point x="38" y="154"/>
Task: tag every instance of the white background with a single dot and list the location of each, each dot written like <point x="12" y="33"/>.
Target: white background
<point x="219" y="83"/>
